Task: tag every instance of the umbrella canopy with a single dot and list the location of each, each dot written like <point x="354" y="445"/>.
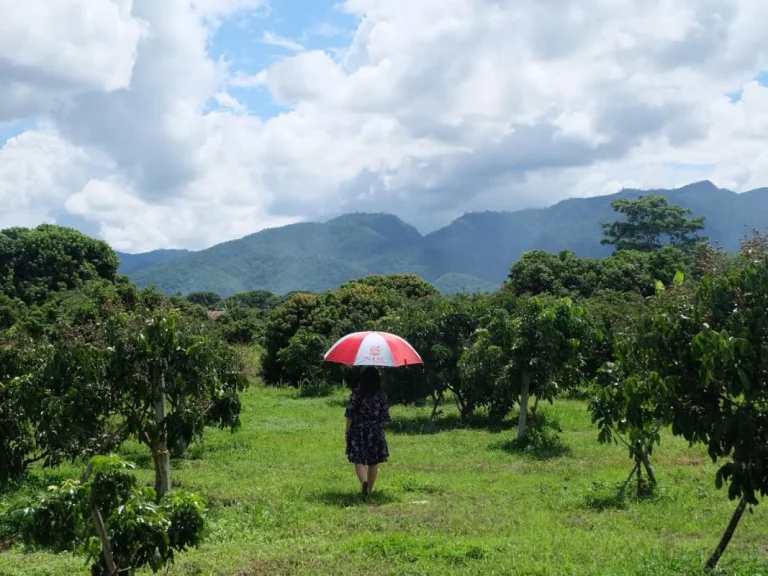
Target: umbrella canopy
<point x="373" y="349"/>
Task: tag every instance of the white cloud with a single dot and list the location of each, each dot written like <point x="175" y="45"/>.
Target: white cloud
<point x="226" y="100"/>
<point x="325" y="30"/>
<point x="223" y="8"/>
<point x="52" y="51"/>
<point x="38" y="172"/>
<point x="228" y="200"/>
<point x="273" y="39"/>
<point x="436" y="107"/>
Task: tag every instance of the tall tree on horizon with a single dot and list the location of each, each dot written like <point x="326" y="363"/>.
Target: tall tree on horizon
<point x="649" y="220"/>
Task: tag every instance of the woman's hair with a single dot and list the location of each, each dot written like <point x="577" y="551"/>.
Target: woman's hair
<point x="370" y="382"/>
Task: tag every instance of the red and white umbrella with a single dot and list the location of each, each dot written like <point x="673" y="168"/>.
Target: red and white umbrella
<point x="373" y="349"/>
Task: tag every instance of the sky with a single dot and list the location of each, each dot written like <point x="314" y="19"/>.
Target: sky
<point x="185" y="123"/>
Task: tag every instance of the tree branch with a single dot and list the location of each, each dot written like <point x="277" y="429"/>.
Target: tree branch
<point x="36" y="458"/>
<point x="617" y="435"/>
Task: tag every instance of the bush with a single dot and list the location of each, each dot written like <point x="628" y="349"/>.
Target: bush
<point x="141" y="533"/>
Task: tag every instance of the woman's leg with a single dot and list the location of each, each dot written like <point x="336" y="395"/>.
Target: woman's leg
<point x="362" y="472"/>
<point x="373" y="470"/>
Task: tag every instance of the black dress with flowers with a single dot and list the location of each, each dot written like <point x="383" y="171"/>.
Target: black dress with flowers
<point x="366" y="443"/>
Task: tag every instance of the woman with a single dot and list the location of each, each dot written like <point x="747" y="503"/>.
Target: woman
<point x="366" y="443"/>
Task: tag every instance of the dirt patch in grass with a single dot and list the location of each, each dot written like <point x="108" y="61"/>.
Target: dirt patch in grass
<point x="689" y="461"/>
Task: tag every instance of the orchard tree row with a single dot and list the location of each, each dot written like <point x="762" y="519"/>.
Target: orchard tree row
<point x="88" y="361"/>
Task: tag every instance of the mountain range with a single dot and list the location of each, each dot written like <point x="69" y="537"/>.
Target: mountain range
<point x="472" y="253"/>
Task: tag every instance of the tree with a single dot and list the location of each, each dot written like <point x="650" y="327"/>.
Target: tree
<point x="11" y="309"/>
<point x="522" y="348"/>
<point x="241" y="325"/>
<point x="485" y="368"/>
<point x="439" y="328"/>
<point x="650" y="220"/>
<point x="406" y="285"/>
<point x="207" y="299"/>
<point x="611" y="315"/>
<point x="16" y="438"/>
<point x="34" y="263"/>
<point x="282" y="323"/>
<point x="108" y="517"/>
<point x="110" y="372"/>
<point x="302" y="358"/>
<point x="546" y="340"/>
<point x="708" y="361"/>
<point x="55" y="397"/>
<point x="353" y="308"/>
<point x="754" y="247"/>
<point x="565" y="274"/>
<point x="168" y="381"/>
<point x="54" y="403"/>
<point x="259" y="299"/>
<point x="632" y="411"/>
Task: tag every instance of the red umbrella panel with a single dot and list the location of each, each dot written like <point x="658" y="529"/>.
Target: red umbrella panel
<point x="373" y="349"/>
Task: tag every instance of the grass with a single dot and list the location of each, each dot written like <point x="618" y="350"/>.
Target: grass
<point x="452" y="500"/>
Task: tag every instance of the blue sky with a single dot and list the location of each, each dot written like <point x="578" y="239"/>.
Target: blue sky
<point x="10" y="129"/>
<point x="313" y="24"/>
<point x="762" y="79"/>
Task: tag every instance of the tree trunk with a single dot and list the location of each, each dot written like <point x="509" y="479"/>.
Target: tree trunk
<point x="648" y="468"/>
<point x="467" y="410"/>
<point x="160" y="454"/>
<point x="626" y="482"/>
<point x="727" y="535"/>
<point x="639" y="478"/>
<point x="105" y="547"/>
<point x="436" y="405"/>
<point x="524" y="394"/>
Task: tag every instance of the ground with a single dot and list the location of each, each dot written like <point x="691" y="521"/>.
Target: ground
<point x="454" y="500"/>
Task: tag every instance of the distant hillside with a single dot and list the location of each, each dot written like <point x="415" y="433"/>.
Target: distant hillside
<point x="472" y="253"/>
<point x="307" y="256"/>
<point x="131" y="263"/>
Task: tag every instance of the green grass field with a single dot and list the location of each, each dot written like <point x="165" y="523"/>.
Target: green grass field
<point x="452" y="501"/>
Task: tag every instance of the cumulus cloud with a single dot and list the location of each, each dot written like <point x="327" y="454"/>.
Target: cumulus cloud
<point x="436" y="107"/>
<point x="53" y="51"/>
<point x="38" y="172"/>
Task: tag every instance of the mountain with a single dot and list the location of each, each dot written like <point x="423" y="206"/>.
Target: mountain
<point x="130" y="263"/>
<point x="306" y="256"/>
<point x="474" y="252"/>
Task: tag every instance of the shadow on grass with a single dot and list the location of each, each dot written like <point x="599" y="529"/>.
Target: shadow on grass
<point x="349" y="499"/>
<point x="315" y="390"/>
<point x="424" y="425"/>
<point x="603" y="496"/>
<point x="554" y="448"/>
<point x="338" y="402"/>
<point x="599" y="502"/>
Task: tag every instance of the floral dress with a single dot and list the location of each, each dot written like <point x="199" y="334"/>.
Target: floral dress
<point x="366" y="443"/>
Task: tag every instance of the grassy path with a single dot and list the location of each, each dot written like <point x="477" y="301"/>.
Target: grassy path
<point x="457" y="501"/>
